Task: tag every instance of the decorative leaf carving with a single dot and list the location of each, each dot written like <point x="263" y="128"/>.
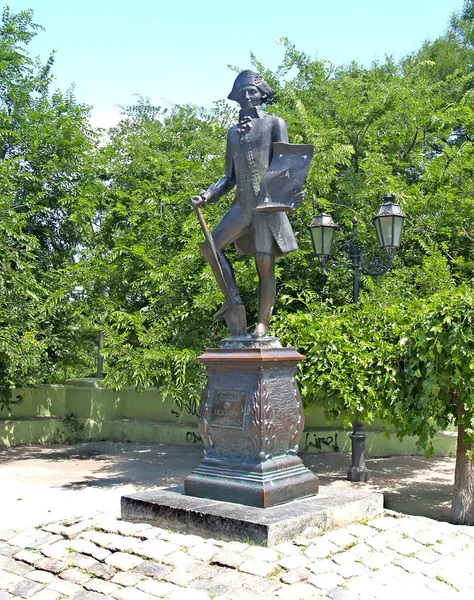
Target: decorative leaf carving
<point x="262" y="438"/>
<point x="293" y="446"/>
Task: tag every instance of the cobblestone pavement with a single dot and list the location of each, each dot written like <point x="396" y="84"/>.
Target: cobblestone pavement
<point x="104" y="557"/>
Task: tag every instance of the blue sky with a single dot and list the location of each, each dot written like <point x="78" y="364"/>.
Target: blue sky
<point x="178" y="52"/>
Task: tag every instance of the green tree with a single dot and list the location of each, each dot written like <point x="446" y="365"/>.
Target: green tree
<point x="438" y="358"/>
<point x="46" y="175"/>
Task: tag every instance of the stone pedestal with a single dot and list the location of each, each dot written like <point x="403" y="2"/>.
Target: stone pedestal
<point x="331" y="508"/>
<point x="251" y="421"/>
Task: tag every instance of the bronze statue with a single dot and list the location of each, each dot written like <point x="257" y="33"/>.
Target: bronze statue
<point x="263" y="233"/>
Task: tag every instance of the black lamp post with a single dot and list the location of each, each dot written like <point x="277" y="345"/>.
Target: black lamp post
<point x="388" y="223"/>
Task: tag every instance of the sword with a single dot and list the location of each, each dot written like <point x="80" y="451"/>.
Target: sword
<point x="235" y="316"/>
<point x="215" y="256"/>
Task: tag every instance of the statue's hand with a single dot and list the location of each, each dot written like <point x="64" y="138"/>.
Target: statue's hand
<point x="196" y="201"/>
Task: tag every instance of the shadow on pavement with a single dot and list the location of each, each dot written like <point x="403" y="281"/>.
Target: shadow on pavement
<point x="411" y="484"/>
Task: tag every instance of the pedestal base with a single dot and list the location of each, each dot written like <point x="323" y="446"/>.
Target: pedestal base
<point x="269" y="483"/>
<point x="330" y="509"/>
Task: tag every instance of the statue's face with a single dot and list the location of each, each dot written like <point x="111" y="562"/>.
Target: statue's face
<point x="249" y="96"/>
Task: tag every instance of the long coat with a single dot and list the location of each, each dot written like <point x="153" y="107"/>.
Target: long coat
<point x="249" y="153"/>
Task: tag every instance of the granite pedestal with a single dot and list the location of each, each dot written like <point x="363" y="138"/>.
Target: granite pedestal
<point x="330" y="509"/>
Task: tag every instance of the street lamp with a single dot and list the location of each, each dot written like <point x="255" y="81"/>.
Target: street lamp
<point x="388" y="222"/>
<point x="322" y="231"/>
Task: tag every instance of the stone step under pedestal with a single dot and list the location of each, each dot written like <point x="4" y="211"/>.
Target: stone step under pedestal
<point x="330" y="509"/>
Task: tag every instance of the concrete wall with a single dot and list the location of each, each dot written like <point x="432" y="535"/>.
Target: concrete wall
<point x="83" y="410"/>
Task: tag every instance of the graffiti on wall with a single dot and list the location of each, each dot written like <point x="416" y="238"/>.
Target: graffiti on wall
<point x="191" y="407"/>
<point x="193" y="438"/>
<point x="313" y="440"/>
<point x="8" y="403"/>
<point x="309" y="440"/>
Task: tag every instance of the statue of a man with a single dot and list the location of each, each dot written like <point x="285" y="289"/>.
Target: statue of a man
<point x="265" y="235"/>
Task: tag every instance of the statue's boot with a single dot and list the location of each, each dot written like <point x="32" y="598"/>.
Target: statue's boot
<point x="235" y="318"/>
<point x="260" y="330"/>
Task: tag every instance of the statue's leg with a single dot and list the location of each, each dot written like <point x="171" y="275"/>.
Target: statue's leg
<point x="265" y="264"/>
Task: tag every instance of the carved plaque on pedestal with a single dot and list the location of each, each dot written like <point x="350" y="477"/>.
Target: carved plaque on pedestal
<point x="251" y="420"/>
<point x="228" y="408"/>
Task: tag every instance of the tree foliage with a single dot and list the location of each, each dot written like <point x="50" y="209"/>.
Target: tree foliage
<point x="46" y="150"/>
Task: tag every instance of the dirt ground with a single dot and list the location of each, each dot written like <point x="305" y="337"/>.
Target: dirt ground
<point x="44" y="483"/>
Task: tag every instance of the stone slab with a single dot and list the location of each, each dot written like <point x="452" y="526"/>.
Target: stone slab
<point x="330" y="509"/>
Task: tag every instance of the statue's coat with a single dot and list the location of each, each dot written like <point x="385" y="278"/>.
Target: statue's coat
<point x="248" y="155"/>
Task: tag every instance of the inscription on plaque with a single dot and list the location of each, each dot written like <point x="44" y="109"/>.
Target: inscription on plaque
<point x="228" y="408"/>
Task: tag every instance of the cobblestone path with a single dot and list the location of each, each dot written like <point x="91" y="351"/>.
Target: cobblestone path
<point x="394" y="556"/>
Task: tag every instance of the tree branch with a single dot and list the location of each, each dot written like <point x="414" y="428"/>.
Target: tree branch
<point x="469" y="237"/>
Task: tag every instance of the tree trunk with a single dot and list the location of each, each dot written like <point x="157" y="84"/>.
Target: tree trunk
<point x="462" y="510"/>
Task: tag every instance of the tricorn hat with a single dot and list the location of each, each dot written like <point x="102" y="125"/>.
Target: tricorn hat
<point x="250" y="78"/>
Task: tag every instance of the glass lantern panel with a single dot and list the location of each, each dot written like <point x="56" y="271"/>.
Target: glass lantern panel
<point x="385" y="231"/>
<point x="378" y="229"/>
<point x="397" y="230"/>
<point x="328" y="238"/>
<point x="317" y="239"/>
